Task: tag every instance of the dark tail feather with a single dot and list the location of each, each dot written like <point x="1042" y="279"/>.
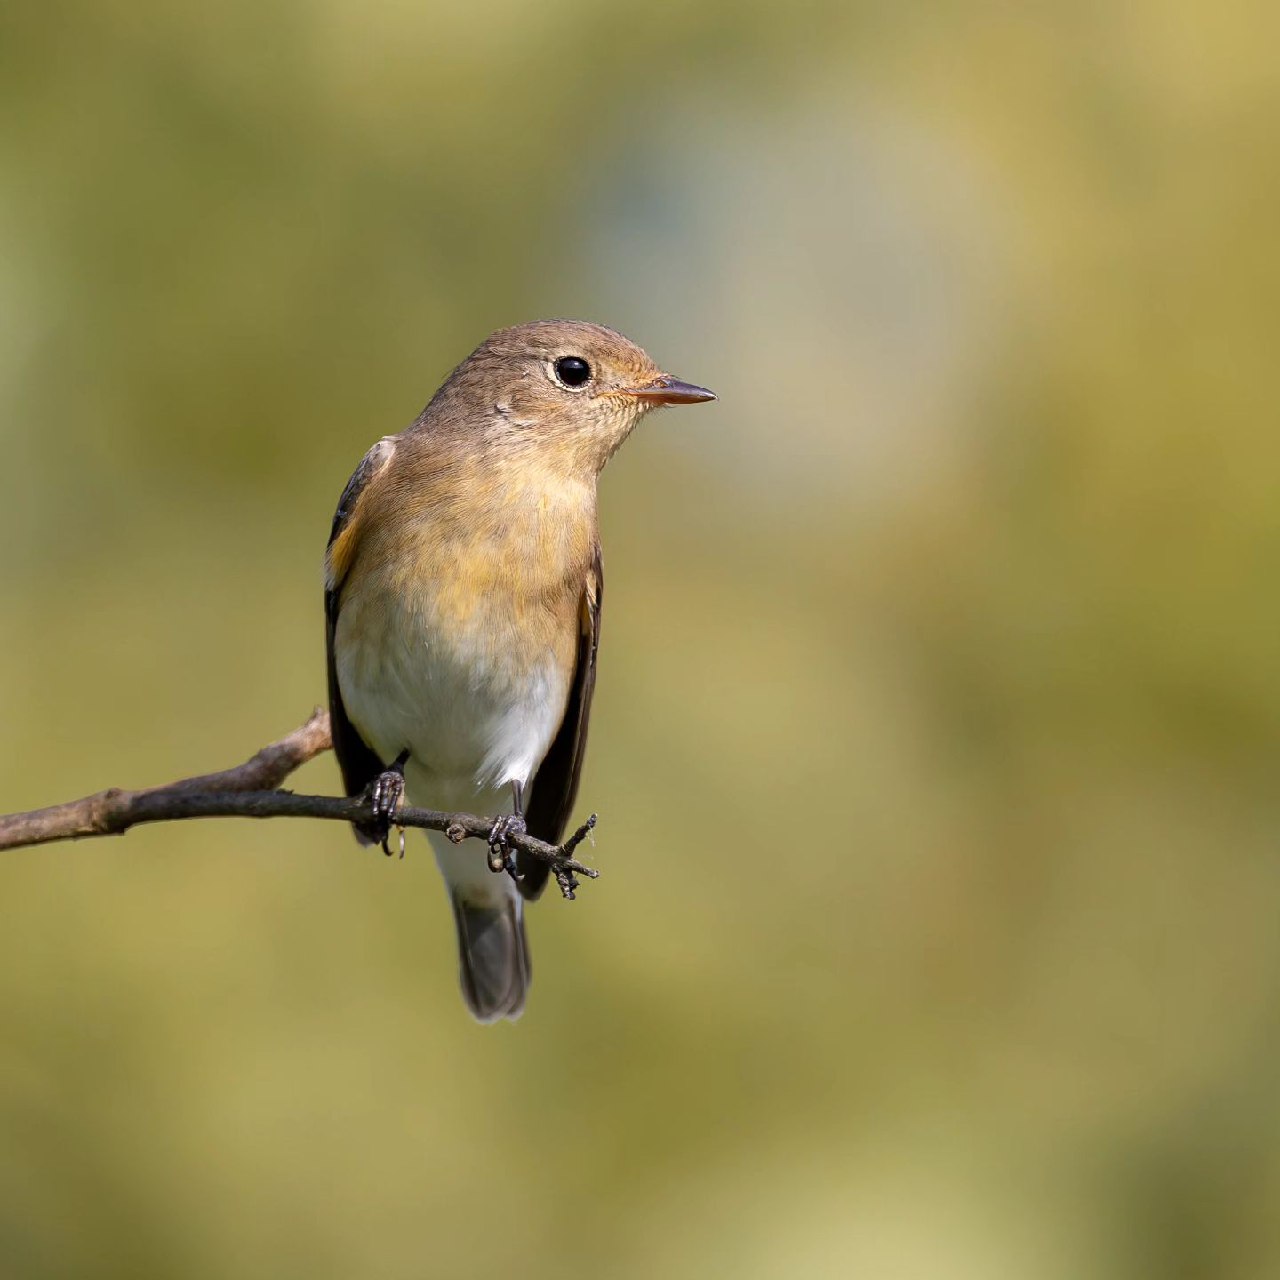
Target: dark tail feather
<point x="493" y="958"/>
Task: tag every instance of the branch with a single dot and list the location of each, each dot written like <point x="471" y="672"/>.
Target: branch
<point x="250" y="790"/>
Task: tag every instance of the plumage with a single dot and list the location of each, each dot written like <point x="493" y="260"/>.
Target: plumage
<point x="462" y="597"/>
<point x="555" y="785"/>
<point x="358" y="763"/>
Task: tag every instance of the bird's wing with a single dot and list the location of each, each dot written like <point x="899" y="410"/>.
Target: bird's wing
<point x="556" y="783"/>
<point x="356" y="759"/>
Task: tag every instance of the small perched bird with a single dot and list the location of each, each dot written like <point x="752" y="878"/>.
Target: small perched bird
<point x="462" y="593"/>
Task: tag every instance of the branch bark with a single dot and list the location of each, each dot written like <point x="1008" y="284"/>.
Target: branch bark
<point x="252" y="790"/>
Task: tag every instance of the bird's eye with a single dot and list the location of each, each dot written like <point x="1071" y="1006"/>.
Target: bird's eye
<point x="573" y="371"/>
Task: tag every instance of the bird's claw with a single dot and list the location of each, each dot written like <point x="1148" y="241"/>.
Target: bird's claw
<point x="501" y="856"/>
<point x="385" y="794"/>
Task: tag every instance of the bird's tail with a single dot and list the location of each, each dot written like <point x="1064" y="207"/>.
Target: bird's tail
<point x="493" y="955"/>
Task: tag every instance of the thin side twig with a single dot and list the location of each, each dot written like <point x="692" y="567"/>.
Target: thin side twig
<point x="250" y="790"/>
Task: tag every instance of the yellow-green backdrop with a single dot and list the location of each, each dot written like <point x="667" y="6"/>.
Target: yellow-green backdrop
<point x="938" y="724"/>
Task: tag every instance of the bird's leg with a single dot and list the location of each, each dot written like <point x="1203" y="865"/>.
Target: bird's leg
<point x="384" y="795"/>
<point x="501" y="856"/>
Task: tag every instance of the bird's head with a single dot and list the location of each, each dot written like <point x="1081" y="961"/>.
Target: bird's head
<point x="569" y="390"/>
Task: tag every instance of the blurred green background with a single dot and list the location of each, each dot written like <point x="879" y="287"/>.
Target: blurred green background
<point x="938" y="723"/>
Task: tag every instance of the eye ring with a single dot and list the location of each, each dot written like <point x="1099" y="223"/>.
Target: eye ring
<point x="572" y="372"/>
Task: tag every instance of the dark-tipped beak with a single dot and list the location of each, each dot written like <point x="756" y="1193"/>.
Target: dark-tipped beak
<point x="669" y="390"/>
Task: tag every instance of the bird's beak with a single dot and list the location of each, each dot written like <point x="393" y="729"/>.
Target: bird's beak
<point x="668" y="390"/>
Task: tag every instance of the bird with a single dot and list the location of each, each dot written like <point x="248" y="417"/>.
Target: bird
<point x="463" y="592"/>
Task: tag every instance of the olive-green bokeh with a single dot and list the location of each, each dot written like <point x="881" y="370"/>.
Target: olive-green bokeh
<point x="938" y="724"/>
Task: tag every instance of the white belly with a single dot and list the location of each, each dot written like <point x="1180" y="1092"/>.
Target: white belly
<point x="473" y="716"/>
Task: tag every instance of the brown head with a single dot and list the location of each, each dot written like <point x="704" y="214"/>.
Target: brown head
<point x="569" y="390"/>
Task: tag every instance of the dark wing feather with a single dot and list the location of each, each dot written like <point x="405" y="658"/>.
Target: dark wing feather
<point x="356" y="759"/>
<point x="555" y="785"/>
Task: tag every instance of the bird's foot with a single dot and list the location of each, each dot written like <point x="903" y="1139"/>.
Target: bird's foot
<point x="384" y="795"/>
<point x="565" y="878"/>
<point x="501" y="855"/>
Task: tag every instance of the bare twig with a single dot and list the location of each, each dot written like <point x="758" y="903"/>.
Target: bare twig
<point x="250" y="791"/>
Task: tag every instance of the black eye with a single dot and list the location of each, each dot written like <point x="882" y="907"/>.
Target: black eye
<point x="573" y="371"/>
